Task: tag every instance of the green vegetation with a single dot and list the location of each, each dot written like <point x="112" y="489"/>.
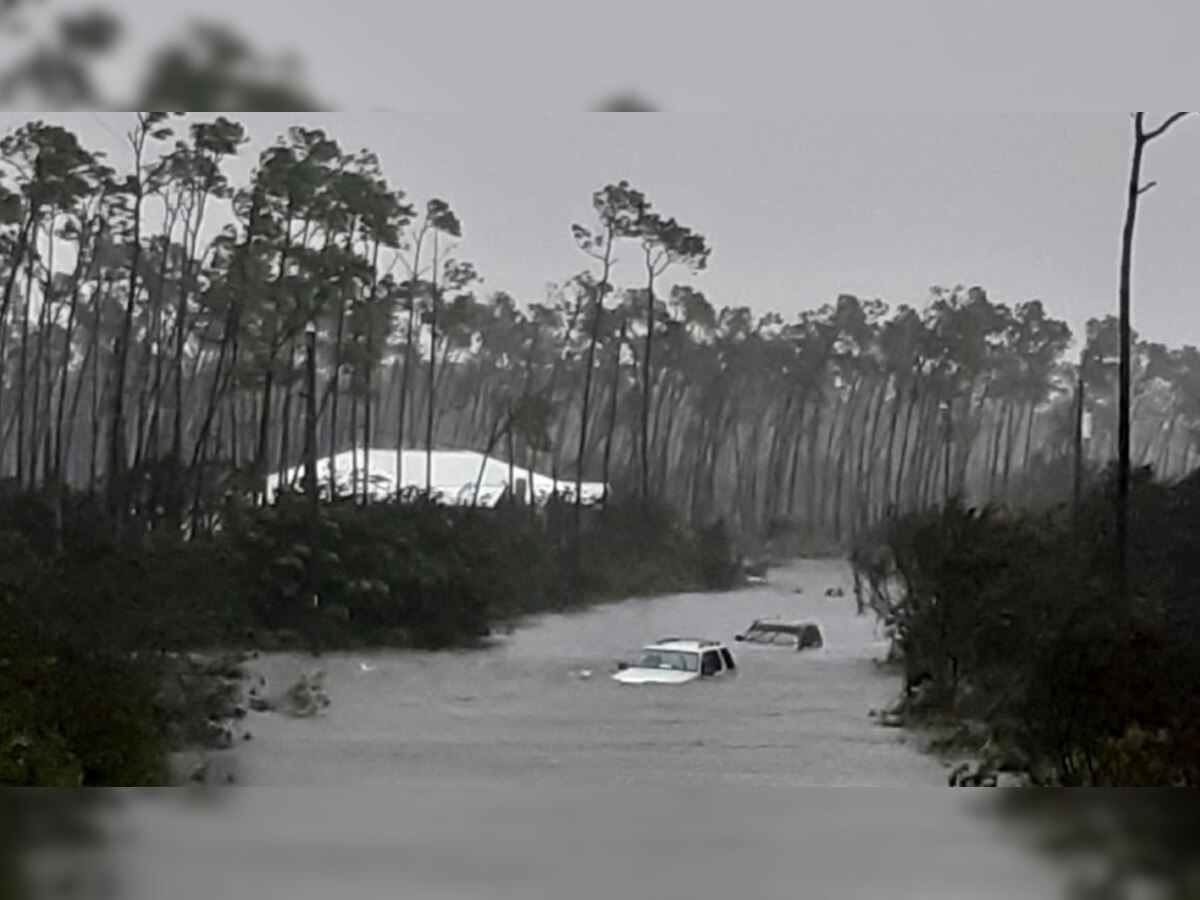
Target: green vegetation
<point x="1013" y="620"/>
<point x="90" y="630"/>
<point x="422" y="574"/>
<point x="155" y="320"/>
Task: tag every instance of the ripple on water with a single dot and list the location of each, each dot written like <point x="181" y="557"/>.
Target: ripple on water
<point x="519" y="711"/>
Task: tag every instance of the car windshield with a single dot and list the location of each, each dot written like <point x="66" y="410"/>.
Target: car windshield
<point x="677" y="660"/>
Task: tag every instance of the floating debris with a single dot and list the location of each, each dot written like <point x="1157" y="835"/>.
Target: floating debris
<point x="306" y="698"/>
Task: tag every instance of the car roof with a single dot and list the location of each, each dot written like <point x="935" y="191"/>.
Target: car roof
<point x="691" y="645"/>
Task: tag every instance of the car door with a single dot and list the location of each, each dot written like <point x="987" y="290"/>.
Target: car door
<point x="710" y="663"/>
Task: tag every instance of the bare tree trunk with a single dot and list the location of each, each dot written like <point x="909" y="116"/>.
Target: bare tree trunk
<point x="39" y="353"/>
<point x="901" y="493"/>
<point x="889" y="457"/>
<point x="612" y="410"/>
<point x="1029" y="426"/>
<point x="94" y="394"/>
<point x="368" y="422"/>
<point x="335" y="386"/>
<point x="434" y="301"/>
<point x="813" y="464"/>
<point x="222" y="373"/>
<point x="827" y="459"/>
<point x="287" y="413"/>
<point x="117" y="454"/>
<point x="597" y="310"/>
<point x="1012" y="430"/>
<point x="797" y="444"/>
<point x="14" y="268"/>
<point x="647" y="386"/>
<point x="354" y="483"/>
<point x="1136" y="189"/>
<point x="24" y="379"/>
<point x="410" y="329"/>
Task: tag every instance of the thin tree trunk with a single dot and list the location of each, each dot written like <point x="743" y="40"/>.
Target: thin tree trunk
<point x="1010" y="438"/>
<point x="612" y="409"/>
<point x="222" y="373"/>
<point x="335" y="387"/>
<point x="24" y="379"/>
<point x="797" y="443"/>
<point x="867" y="477"/>
<point x="813" y="464"/>
<point x="408" y="346"/>
<point x="117" y="454"/>
<point x="597" y="309"/>
<point x="434" y="302"/>
<point x="1125" y="289"/>
<point x="999" y="411"/>
<point x="14" y="268"/>
<point x="901" y="493"/>
<point x="285" y="425"/>
<point x="1029" y="426"/>
<point x="647" y="385"/>
<point x="368" y="421"/>
<point x="890" y="454"/>
<point x="39" y="354"/>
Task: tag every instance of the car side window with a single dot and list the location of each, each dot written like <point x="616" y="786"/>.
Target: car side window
<point x="711" y="663"/>
<point x="728" y="658"/>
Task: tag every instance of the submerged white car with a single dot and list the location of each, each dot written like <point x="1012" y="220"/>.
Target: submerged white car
<point x="677" y="661"/>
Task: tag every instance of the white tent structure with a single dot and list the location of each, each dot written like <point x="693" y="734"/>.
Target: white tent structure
<point x="457" y="474"/>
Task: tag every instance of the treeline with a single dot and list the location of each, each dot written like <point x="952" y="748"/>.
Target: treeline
<point x="153" y="337"/>
<point x="1014" y="622"/>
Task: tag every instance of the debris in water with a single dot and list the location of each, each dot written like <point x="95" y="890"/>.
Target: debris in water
<point x="306" y="698"/>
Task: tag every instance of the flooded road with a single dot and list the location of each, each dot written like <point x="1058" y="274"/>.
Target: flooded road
<point x="517" y="778"/>
<point x="525" y="711"/>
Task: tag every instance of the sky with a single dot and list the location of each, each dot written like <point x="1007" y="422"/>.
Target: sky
<point x="800" y="208"/>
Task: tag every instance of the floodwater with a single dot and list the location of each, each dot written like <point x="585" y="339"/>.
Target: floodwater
<point x="515" y="776"/>
<point x="527" y="711"/>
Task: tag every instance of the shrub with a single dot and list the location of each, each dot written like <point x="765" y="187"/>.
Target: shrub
<point x="1014" y="618"/>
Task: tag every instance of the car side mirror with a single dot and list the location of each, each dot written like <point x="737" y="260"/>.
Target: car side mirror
<point x="622" y="666"/>
<point x="739" y="637"/>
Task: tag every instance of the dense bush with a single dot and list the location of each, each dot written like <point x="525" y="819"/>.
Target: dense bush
<point x="87" y="613"/>
<point x="81" y="621"/>
<point x="429" y="575"/>
<point x="1014" y="619"/>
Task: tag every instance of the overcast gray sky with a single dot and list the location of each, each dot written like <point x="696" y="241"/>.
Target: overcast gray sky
<point x="800" y="208"/>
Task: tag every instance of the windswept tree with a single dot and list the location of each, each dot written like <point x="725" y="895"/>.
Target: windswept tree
<point x="665" y="243"/>
<point x="810" y="428"/>
<point x="618" y="209"/>
<point x="422" y="299"/>
<point x="54" y="175"/>
<point x="455" y="279"/>
<point x="149" y="127"/>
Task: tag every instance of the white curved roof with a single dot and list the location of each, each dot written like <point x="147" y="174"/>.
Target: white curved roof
<point x="456" y="474"/>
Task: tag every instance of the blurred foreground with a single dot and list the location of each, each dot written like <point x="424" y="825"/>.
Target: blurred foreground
<point x="591" y="843"/>
<point x="552" y="843"/>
